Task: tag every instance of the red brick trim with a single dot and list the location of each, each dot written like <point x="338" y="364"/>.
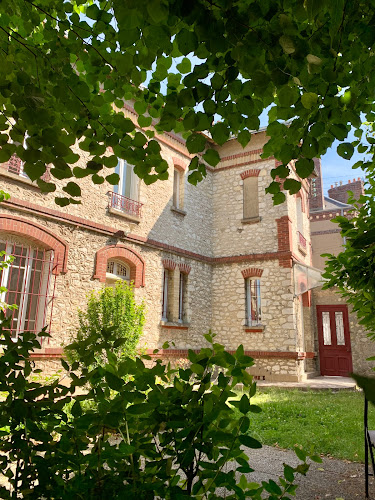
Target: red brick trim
<point x="36" y="232"/>
<point x="254" y="330"/>
<point x="184" y="268"/>
<point x="175" y="327"/>
<point x="128" y="255"/>
<point x="169" y="264"/>
<point x="183" y="353"/>
<point x="89" y="225"/>
<point x="48" y="352"/>
<point x="252" y="271"/>
<point x="252" y="172"/>
<point x="284" y="239"/>
<point x="242" y="155"/>
<point x="179" y="164"/>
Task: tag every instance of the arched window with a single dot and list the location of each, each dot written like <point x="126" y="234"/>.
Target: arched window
<point x="28" y="283"/>
<point x="117" y="270"/>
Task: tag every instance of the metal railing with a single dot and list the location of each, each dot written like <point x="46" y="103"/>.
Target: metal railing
<point x="301" y="240"/>
<point x="124" y="204"/>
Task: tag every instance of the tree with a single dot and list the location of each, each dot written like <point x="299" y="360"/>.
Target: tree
<point x="188" y="66"/>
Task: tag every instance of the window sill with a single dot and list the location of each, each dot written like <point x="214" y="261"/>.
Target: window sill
<point x="254" y="329"/>
<point x="174" y="326"/>
<point x="178" y="211"/>
<point x="302" y="250"/>
<point x="131" y="218"/>
<point x="251" y="220"/>
<point x="18" y="178"/>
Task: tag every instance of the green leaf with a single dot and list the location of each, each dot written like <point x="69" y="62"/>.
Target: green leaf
<point x="184" y="66"/>
<point x="197" y="368"/>
<point x="220" y="133"/>
<point x="249" y="442"/>
<point x="244" y="405"/>
<point x="187" y="41"/>
<point x="288" y="473"/>
<point x="300" y="453"/>
<point x="140" y="409"/>
<point x="272" y="487"/>
<point x="287" y="44"/>
<point x="212" y="157"/>
<point x="304" y="167"/>
<point x="144" y="121"/>
<point x="196" y="143"/>
<point x="244" y="137"/>
<point x="309" y="99"/>
<point x="345" y="150"/>
<point x="113" y="179"/>
<point x="114" y="382"/>
<point x="73" y="189"/>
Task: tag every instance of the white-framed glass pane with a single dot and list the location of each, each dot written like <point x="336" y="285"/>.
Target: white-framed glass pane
<point x="165" y="295"/>
<point x="128" y="185"/>
<point x="253" y="302"/>
<point x="176" y="188"/>
<point x="339" y="320"/>
<point x="327" y="336"/>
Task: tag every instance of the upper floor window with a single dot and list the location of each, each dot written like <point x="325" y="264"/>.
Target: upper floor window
<point x="253" y="302"/>
<point x="28" y="282"/>
<point x="250" y="195"/>
<point x="128" y="185"/>
<point x="177" y="188"/>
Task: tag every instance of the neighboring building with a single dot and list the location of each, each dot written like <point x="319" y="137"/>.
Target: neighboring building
<point x="216" y="256"/>
<point x="341" y="341"/>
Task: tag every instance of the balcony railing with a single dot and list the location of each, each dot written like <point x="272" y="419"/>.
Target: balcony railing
<point x="124" y="204"/>
<point x="15" y="166"/>
<point x="301" y="240"/>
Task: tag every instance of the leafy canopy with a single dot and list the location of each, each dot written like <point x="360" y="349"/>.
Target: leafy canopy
<point x="187" y="66"/>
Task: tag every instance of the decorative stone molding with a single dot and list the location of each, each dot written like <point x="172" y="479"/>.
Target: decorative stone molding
<point x="35" y="232"/>
<point x="184" y="268"/>
<point x="169" y="264"/>
<point x="128" y="255"/>
<point x="252" y="271"/>
<point x="251" y="172"/>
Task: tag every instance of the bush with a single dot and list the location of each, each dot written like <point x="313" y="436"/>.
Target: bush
<point x="110" y="310"/>
<point x="153" y="432"/>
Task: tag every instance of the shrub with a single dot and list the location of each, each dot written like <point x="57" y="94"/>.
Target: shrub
<point x="112" y="309"/>
<point x="176" y="429"/>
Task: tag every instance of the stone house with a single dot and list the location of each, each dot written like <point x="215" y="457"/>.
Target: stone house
<point x="214" y="256"/>
<point x="341" y="341"/>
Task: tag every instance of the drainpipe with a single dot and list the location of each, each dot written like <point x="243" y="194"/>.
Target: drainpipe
<point x="344" y="237"/>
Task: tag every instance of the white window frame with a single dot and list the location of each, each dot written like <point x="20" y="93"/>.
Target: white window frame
<point x="249" y="303"/>
<point x="181" y="298"/>
<point x="164" y="314"/>
<point x="128" y="185"/>
<point x="24" y="293"/>
<point x="177" y="179"/>
<point x="115" y="276"/>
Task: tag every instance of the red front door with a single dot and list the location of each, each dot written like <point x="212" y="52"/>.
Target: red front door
<point x="334" y="340"/>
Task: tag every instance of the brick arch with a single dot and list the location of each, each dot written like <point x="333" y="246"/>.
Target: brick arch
<point x="251" y="172"/>
<point x="252" y="272"/>
<point x="128" y="255"/>
<point x="179" y="164"/>
<point x="41" y="235"/>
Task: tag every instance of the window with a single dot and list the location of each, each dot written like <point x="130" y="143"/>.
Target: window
<point x="253" y="306"/>
<point x="182" y="295"/>
<point x="129" y="181"/>
<point x="177" y="188"/>
<point x="164" y="315"/>
<point x="117" y="270"/>
<point x="29" y="285"/>
<point x="250" y="198"/>
<point x="299" y="215"/>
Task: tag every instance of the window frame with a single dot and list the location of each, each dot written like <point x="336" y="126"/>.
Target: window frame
<point x="257" y="321"/>
<point x="128" y="185"/>
<point x="164" y="311"/>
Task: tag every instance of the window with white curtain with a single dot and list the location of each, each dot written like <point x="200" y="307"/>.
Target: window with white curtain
<point x="253" y="302"/>
<point x="128" y="185"/>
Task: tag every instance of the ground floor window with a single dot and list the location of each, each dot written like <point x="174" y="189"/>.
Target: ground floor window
<point x="29" y="284"/>
<point x="164" y="315"/>
<point x="117" y="270"/>
<point x="253" y="302"/>
<point x="182" y="298"/>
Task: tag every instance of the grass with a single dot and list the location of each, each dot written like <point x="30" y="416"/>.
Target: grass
<point x="324" y="422"/>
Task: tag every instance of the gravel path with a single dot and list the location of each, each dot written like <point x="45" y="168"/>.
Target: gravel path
<point x="332" y="479"/>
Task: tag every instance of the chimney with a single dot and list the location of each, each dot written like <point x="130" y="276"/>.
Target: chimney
<point x="340" y="192"/>
<point x="316" y="195"/>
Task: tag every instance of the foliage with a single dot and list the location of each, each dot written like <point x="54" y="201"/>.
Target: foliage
<point x="160" y="433"/>
<point x="187" y="66"/>
<point x="112" y="319"/>
<point x="352" y="270"/>
<point x="329" y="423"/>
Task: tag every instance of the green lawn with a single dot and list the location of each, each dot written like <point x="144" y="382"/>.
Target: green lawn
<point x="325" y="422"/>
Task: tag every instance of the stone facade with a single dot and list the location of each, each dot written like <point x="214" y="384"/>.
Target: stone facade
<point x="209" y="239"/>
